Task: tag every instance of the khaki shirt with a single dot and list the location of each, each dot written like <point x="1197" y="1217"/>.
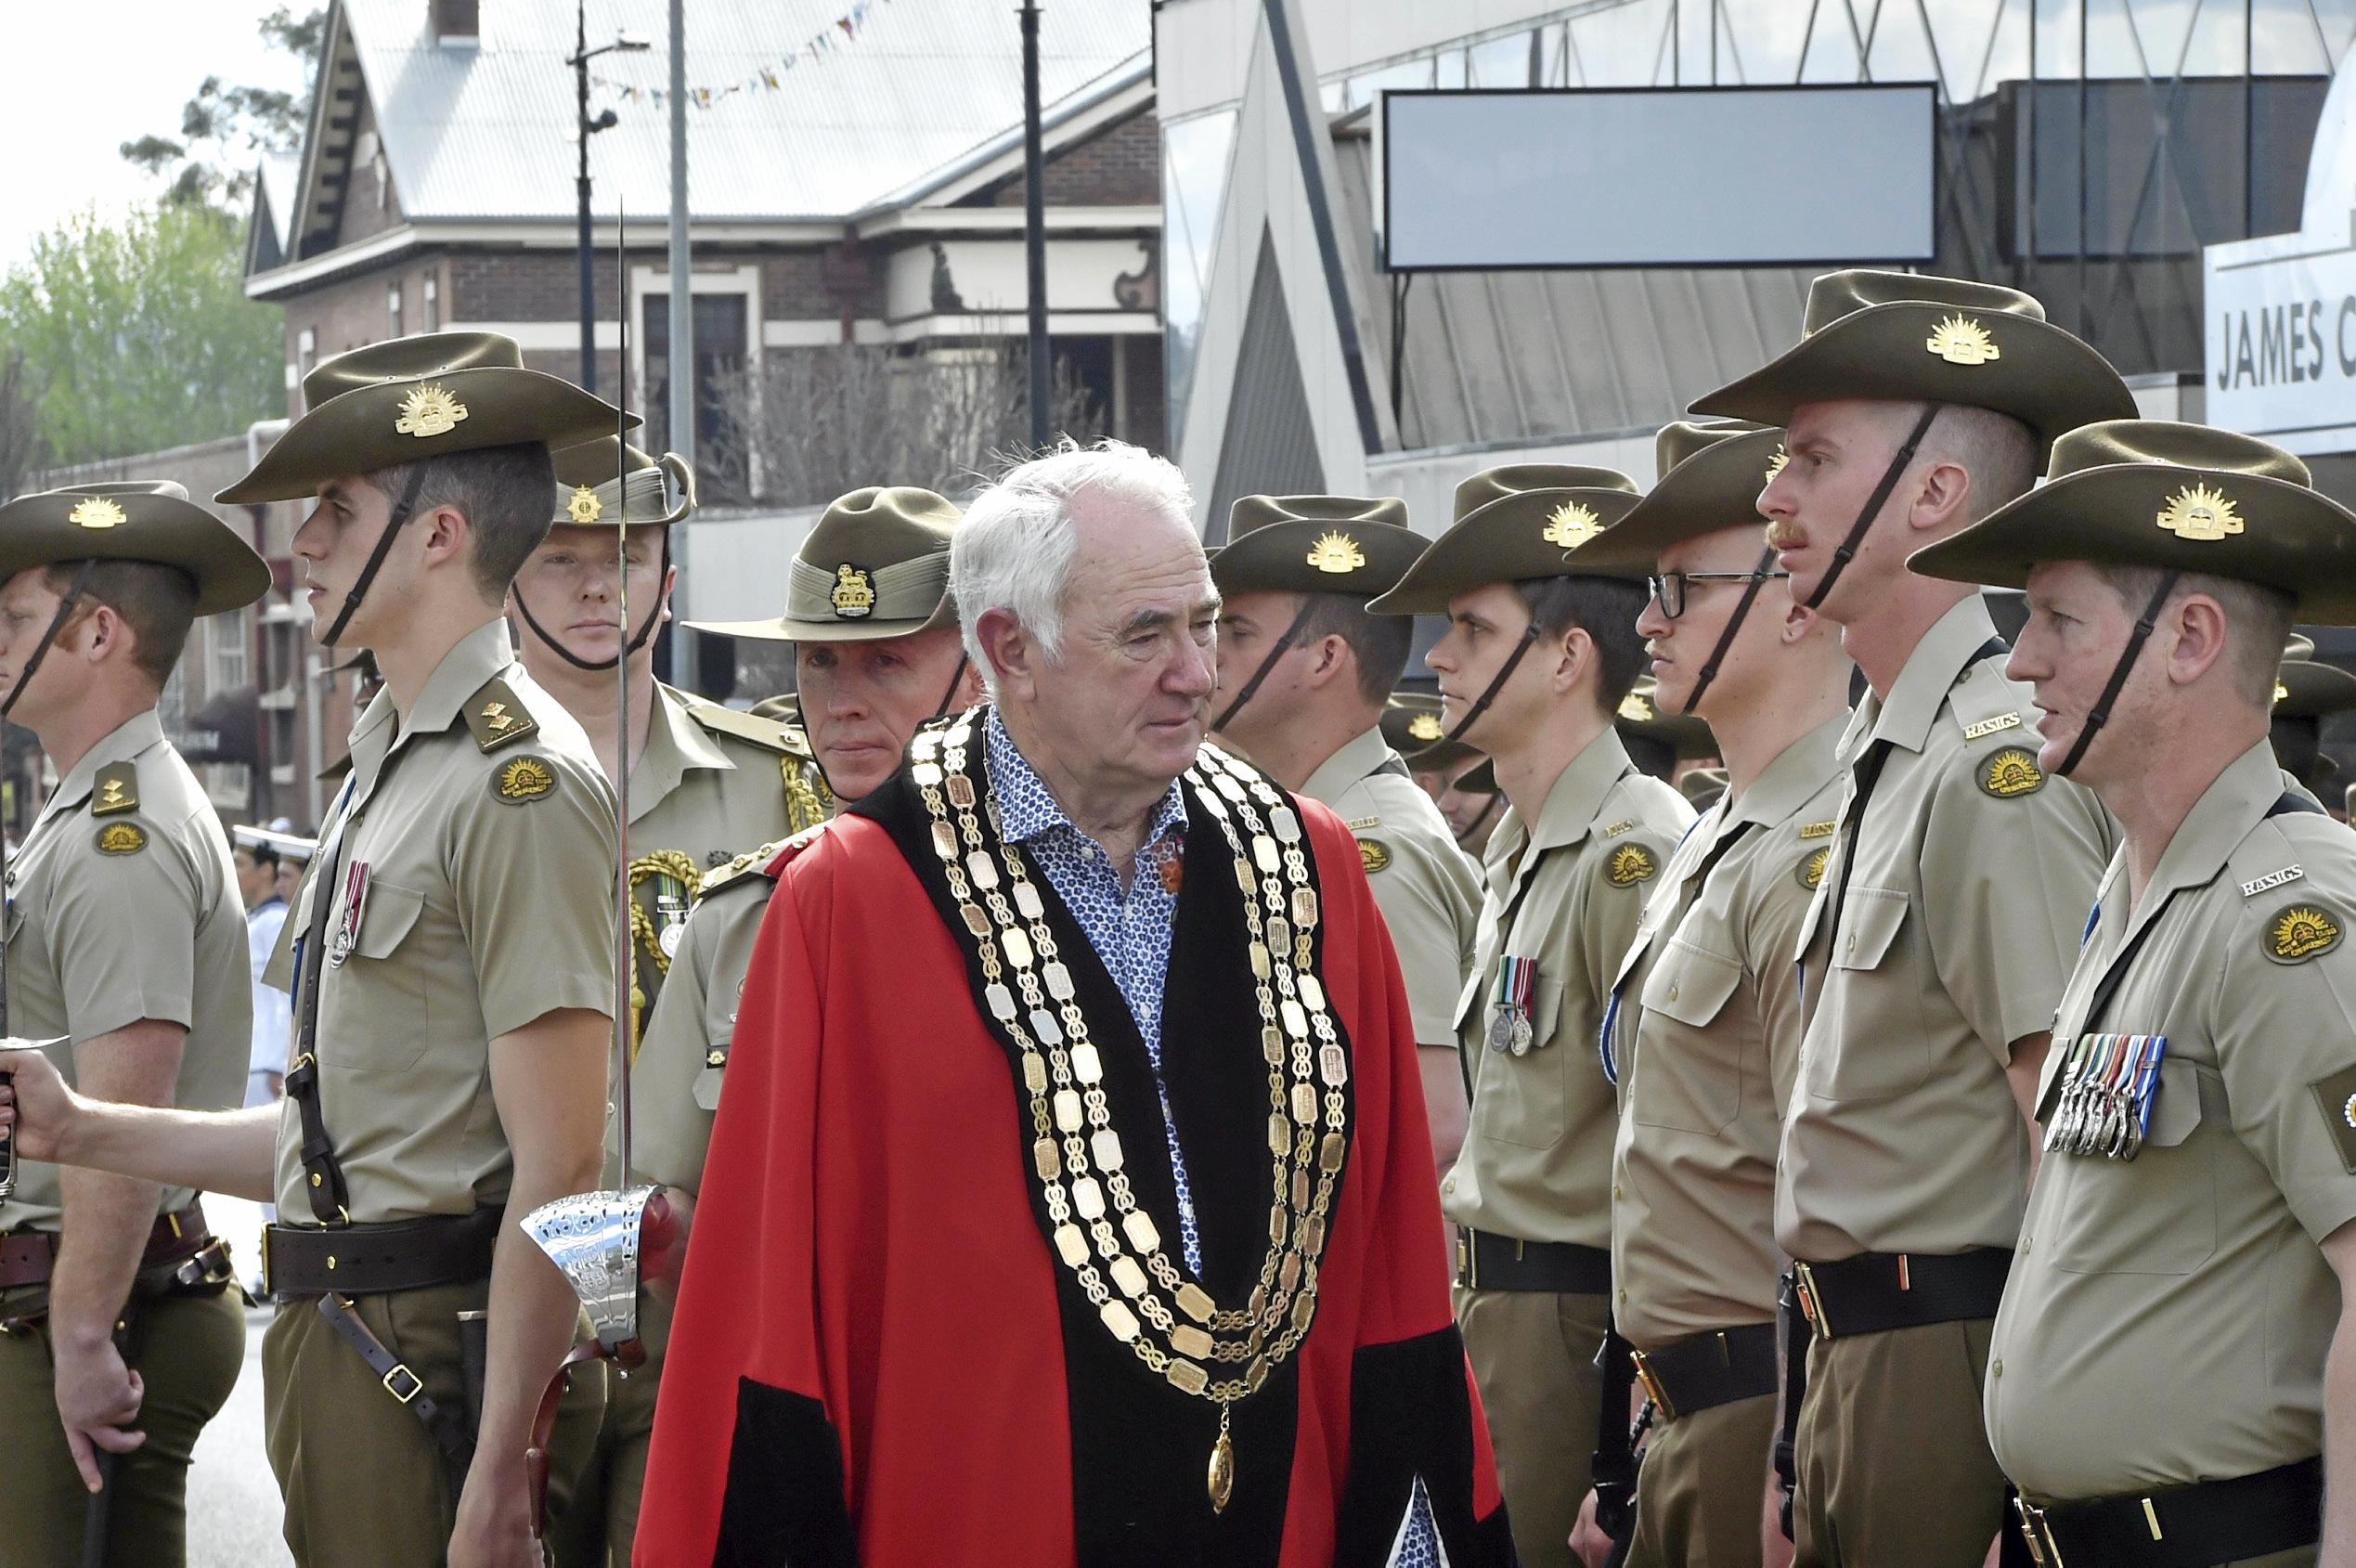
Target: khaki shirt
<point x="1429" y="891"/>
<point x="489" y="904"/>
<point x="1973" y="875"/>
<point x="2167" y="1317"/>
<point x="1707" y="1038"/>
<point x="123" y="906"/>
<point x="675" y="1085"/>
<point x="1537" y="1162"/>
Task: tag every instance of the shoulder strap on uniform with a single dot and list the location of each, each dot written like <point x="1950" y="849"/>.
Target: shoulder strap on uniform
<point x="769" y="860"/>
<point x="1984" y="707"/>
<point x="115" y="789"/>
<point x="495" y="716"/>
<point x="768" y="733"/>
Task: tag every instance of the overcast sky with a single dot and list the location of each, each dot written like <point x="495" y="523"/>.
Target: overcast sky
<point x="81" y="79"/>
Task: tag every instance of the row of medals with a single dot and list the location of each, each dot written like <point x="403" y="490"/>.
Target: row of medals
<point x="1077" y="1154"/>
<point x="2107" y="1090"/>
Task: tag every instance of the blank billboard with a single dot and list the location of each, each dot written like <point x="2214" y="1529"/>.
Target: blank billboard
<point x="1706" y="177"/>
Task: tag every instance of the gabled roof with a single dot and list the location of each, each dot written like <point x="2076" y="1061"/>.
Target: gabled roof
<point x="268" y="231"/>
<point x="482" y="130"/>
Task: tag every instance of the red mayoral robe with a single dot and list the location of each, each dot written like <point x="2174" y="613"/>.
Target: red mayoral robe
<point x="878" y="1358"/>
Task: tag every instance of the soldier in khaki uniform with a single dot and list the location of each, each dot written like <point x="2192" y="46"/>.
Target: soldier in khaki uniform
<point x="1305" y="676"/>
<point x="1952" y="906"/>
<point x="2175" y="1364"/>
<point x="119" y="1331"/>
<point x="1704" y="1025"/>
<point x="454" y="987"/>
<point x="1537" y="656"/>
<point x="705" y="783"/>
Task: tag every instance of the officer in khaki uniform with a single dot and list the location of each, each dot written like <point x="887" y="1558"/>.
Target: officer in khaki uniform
<point x="706" y="782"/>
<point x="1537" y="656"/>
<point x="2175" y="1363"/>
<point x="901" y="535"/>
<point x="1704" y="1022"/>
<point x="1950" y="909"/>
<point x="126" y="935"/>
<point x="1305" y="676"/>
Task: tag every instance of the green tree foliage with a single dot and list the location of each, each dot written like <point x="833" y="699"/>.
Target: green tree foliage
<point x="137" y="335"/>
<point x="225" y="127"/>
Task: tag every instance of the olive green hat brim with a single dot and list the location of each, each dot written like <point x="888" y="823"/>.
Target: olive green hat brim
<point x="2311" y="691"/>
<point x="1715" y="489"/>
<point x="158" y="531"/>
<point x="1504" y="541"/>
<point x="1274" y="558"/>
<point x="782" y="629"/>
<point x="2292" y="538"/>
<point x="358" y="432"/>
<point x="2040" y="375"/>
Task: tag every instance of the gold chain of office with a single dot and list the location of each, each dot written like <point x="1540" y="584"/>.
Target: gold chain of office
<point x="1171" y="1323"/>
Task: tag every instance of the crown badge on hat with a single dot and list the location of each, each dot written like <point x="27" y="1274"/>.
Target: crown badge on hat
<point x="854" y="595"/>
<point x="583" y="506"/>
<point x="1633" y="709"/>
<point x="1336" y="552"/>
<point x="1425" y="727"/>
<point x="1571" y="524"/>
<point x="1959" y="340"/>
<point x="96" y="512"/>
<point x="2197" y="511"/>
<point x="429" y="410"/>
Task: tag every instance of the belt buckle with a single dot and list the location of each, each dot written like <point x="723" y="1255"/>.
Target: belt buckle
<point x="2035" y="1530"/>
<point x="1464" y="1257"/>
<point x="1653" y="1390"/>
<point x="1811" y="1304"/>
<point x="401" y="1369"/>
<point x="269" y="1287"/>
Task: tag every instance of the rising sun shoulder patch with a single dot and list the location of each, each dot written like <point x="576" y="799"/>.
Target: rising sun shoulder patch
<point x="523" y="778"/>
<point x="2298" y="932"/>
<point x="2009" y="772"/>
<point x="1629" y="865"/>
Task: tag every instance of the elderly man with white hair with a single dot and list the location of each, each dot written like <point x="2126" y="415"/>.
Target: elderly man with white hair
<point x="1066" y="1208"/>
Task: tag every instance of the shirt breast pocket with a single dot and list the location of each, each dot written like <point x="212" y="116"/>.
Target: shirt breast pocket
<point x="1689" y="1078"/>
<point x="373" y="1009"/>
<point x="1877" y="1049"/>
<point x="1527" y="1097"/>
<point x="2158" y="1214"/>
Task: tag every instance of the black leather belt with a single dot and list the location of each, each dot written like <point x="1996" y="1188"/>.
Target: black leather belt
<point x="2197" y="1526"/>
<point x="1485" y="1262"/>
<point x="1695" y="1374"/>
<point x="376" y="1260"/>
<point x="178" y="1239"/>
<point x="1874" y="1292"/>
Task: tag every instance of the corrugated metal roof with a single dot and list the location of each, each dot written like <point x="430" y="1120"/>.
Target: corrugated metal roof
<point x="485" y="130"/>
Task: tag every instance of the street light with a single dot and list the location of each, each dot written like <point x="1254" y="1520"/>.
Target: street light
<point x="582" y="54"/>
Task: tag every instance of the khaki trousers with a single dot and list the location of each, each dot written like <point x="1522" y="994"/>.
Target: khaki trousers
<point x="1701" y="1496"/>
<point x="188" y="1349"/>
<point x="1534" y="1356"/>
<point x="366" y="1486"/>
<point x="603" y="1523"/>
<point x="1891" y="1454"/>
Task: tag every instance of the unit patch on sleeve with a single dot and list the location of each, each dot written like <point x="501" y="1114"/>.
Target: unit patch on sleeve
<point x="1629" y="865"/>
<point x="121" y="838"/>
<point x="2335" y="1097"/>
<point x="1374" y="854"/>
<point x="523" y="779"/>
<point x="1811" y="869"/>
<point x="2010" y="772"/>
<point x="2300" y="932"/>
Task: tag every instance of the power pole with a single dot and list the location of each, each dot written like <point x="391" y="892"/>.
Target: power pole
<point x="682" y="336"/>
<point x="1043" y="371"/>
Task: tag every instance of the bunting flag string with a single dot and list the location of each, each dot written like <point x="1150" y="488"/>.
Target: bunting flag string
<point x="829" y="40"/>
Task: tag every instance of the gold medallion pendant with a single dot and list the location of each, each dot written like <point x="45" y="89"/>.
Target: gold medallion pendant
<point x="1105" y="1239"/>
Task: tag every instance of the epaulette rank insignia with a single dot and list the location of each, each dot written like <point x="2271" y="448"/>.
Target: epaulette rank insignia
<point x="495" y="718"/>
<point x="115" y="790"/>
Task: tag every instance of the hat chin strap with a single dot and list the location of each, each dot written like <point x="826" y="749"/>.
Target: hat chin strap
<point x="1475" y="826"/>
<point x="1726" y="638"/>
<point x="2101" y="713"/>
<point x="57" y="624"/>
<point x="1481" y="703"/>
<point x="1282" y="646"/>
<point x="956" y="679"/>
<point x="400" y="515"/>
<point x="638" y="639"/>
<point x="1890" y="475"/>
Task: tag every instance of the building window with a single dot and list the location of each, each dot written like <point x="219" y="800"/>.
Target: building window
<point x="430" y="289"/>
<point x="392" y="308"/>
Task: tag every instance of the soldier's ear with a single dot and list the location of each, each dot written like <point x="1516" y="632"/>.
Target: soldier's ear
<point x="2202" y="635"/>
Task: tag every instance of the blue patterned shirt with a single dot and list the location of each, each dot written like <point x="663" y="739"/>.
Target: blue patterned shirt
<point x="1131" y="931"/>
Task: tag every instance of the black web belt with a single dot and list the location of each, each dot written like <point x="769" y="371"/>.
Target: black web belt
<point x="1703" y="1372"/>
<point x="1488" y="1261"/>
<point x="2195" y="1526"/>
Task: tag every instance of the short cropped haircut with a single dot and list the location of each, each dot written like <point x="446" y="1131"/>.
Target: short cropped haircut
<point x="157" y="602"/>
<point x="1998" y="450"/>
<point x="1606" y="609"/>
<point x="2258" y="620"/>
<point x="1381" y="644"/>
<point x="503" y="493"/>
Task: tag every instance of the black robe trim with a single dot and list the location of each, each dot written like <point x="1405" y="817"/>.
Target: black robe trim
<point x="1410" y="1418"/>
<point x="784" y="1497"/>
<point x="1140" y="1448"/>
